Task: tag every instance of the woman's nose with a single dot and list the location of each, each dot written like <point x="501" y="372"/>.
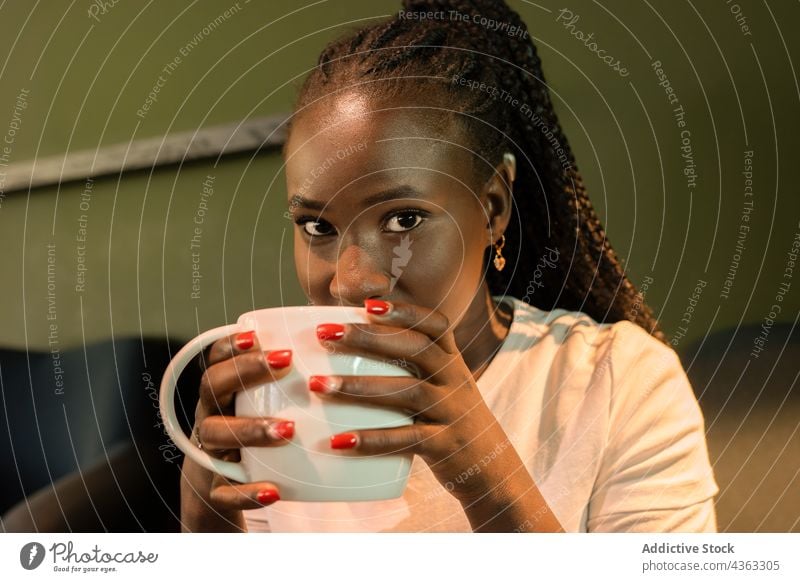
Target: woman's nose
<point x="358" y="276"/>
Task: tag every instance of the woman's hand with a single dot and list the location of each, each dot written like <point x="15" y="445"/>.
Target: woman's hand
<point x="455" y="432"/>
<point x="210" y="502"/>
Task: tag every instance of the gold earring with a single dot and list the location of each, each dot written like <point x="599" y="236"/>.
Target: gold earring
<point x="499" y="260"/>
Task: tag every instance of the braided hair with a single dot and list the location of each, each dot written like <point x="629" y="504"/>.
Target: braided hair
<point x="557" y="248"/>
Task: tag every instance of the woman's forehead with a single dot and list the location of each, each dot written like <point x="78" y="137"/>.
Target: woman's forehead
<point x="342" y="185"/>
<point x="350" y="118"/>
<point x="353" y="139"/>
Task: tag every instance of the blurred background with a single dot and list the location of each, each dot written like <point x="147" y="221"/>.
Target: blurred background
<point x="708" y="106"/>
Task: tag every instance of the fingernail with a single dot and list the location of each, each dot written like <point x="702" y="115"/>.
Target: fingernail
<point x="377" y="306"/>
<point x="324" y="384"/>
<point x="346" y="440"/>
<point x="330" y="331"/>
<point x="282" y="430"/>
<point x="267" y="496"/>
<point x="245" y="340"/>
<point x="279" y="358"/>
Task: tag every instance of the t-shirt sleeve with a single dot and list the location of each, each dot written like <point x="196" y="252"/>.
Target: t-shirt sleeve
<point x="655" y="475"/>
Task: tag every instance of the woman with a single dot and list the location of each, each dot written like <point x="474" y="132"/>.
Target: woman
<point x="429" y="182"/>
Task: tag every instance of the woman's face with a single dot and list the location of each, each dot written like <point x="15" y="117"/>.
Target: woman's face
<point x="385" y="208"/>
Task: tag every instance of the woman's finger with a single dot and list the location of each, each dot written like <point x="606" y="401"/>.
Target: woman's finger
<point x="429" y="322"/>
<point x="220" y="381"/>
<point x="420" y="439"/>
<point x="411" y="394"/>
<point x="229" y="495"/>
<point x="230" y="346"/>
<point x="402" y="347"/>
<point x="217" y="433"/>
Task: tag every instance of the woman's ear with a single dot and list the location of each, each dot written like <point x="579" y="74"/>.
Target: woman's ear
<point x="510" y="162"/>
<point x="497" y="196"/>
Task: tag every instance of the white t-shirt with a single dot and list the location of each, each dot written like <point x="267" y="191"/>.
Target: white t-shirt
<point x="602" y="415"/>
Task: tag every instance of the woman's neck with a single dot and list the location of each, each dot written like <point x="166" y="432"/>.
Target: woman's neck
<point x="482" y="330"/>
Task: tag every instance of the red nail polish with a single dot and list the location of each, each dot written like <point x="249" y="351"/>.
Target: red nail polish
<point x="322" y="384"/>
<point x="279" y="358"/>
<point x="267" y="496"/>
<point x="346" y="440"/>
<point x="244" y="341"/>
<point x="377" y="306"/>
<point x="330" y="331"/>
<point x="283" y="429"/>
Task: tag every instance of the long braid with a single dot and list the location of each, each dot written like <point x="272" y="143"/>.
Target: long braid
<point x="551" y="207"/>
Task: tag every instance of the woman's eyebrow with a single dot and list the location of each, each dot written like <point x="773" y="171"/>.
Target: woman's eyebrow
<point x="297" y="201"/>
<point x="403" y="191"/>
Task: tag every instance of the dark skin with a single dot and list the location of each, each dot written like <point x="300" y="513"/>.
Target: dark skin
<point x="344" y="154"/>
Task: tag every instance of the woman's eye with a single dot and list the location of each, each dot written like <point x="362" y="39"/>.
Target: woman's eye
<point x="315" y="227"/>
<point x="404" y="221"/>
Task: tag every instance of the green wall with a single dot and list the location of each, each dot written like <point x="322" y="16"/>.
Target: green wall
<point x="86" y="78"/>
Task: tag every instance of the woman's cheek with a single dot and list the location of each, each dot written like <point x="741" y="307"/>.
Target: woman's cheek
<point x="310" y="270"/>
<point x="441" y="277"/>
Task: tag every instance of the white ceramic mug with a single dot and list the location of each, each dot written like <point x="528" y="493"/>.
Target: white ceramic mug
<point x="305" y="468"/>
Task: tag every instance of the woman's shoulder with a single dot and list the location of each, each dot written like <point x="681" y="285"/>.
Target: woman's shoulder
<point x="573" y="338"/>
<point x="559" y="327"/>
<point x="620" y="360"/>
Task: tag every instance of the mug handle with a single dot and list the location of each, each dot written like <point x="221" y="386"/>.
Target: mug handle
<point x="228" y="469"/>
